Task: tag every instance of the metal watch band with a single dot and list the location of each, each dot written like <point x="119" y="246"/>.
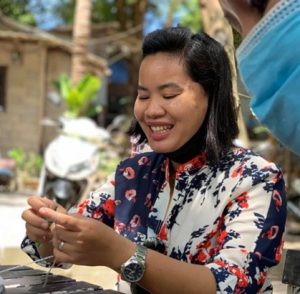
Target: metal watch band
<point x="141" y="252"/>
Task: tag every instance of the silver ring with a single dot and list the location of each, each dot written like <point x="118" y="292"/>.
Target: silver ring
<point x="61" y="245"/>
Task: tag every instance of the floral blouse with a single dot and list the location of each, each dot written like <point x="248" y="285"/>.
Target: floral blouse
<point x="229" y="216"/>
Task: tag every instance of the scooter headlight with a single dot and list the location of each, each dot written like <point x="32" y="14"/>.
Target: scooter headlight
<point x="63" y="189"/>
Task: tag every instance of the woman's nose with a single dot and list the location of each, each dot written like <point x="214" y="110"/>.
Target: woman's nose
<point x="154" y="109"/>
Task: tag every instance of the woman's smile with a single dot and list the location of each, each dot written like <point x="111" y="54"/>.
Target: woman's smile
<point x="160" y="132"/>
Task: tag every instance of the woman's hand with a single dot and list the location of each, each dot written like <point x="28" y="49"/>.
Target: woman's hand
<point x="86" y="241"/>
<point x="38" y="227"/>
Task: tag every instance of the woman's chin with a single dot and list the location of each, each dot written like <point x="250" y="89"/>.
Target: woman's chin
<point x="161" y="149"/>
<point x="166" y="145"/>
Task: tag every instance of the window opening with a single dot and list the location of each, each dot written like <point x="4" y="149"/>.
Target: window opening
<point x="3" y="71"/>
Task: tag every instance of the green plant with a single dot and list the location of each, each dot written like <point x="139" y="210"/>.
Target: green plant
<point x="108" y="164"/>
<point x="19" y="156"/>
<point x="79" y="99"/>
<point x="30" y="164"/>
<point x="34" y="164"/>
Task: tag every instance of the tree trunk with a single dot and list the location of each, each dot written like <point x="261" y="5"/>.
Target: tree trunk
<point x="139" y="10"/>
<point x="216" y="26"/>
<point x="81" y="34"/>
<point x="137" y="14"/>
<point x="172" y="7"/>
<point x="121" y="14"/>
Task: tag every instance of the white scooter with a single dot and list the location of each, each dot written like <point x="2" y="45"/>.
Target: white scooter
<point x="71" y="160"/>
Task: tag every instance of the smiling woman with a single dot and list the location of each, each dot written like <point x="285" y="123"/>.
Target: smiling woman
<point x="195" y="214"/>
<point x="187" y="83"/>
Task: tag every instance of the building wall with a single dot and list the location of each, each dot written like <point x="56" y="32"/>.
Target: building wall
<point x="29" y="79"/>
<point x="58" y="62"/>
<point x="25" y="88"/>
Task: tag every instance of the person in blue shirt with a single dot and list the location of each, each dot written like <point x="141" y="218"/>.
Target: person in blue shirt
<point x="269" y="62"/>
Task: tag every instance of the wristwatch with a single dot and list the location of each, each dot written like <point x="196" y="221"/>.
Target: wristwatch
<point x="133" y="269"/>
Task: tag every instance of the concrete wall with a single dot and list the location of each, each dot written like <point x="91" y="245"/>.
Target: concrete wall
<point x="25" y="88"/>
<point x="28" y="82"/>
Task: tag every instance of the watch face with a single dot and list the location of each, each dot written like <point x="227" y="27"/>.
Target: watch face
<point x="133" y="272"/>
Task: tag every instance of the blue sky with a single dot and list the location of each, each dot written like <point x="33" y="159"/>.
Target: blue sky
<point x="48" y="20"/>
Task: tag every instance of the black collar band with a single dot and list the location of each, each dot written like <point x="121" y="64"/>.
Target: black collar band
<point x="190" y="149"/>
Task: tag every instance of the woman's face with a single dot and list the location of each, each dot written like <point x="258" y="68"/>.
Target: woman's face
<point x="170" y="107"/>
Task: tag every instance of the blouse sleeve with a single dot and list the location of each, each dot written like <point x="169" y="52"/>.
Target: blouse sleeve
<point x="100" y="205"/>
<point x="250" y="239"/>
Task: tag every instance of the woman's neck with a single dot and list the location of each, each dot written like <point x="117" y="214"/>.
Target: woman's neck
<point x="190" y="149"/>
<point x="270" y="4"/>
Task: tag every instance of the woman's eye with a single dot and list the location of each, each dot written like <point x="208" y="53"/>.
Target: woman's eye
<point x="143" y="97"/>
<point x="170" y="96"/>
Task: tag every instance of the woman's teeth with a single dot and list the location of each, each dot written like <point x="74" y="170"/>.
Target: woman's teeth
<point x="160" y="129"/>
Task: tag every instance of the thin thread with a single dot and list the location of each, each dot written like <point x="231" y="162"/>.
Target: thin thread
<point x="29" y="263"/>
<point x="48" y="273"/>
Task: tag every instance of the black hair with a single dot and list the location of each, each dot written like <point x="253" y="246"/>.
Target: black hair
<point x="206" y="63"/>
<point x="260" y="5"/>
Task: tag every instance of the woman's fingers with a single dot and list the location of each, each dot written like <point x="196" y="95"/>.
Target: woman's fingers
<point x="32" y="215"/>
<point x="64" y="251"/>
<point x="37" y="225"/>
<point x="69" y="222"/>
<point x="37" y="202"/>
<point x="63" y="256"/>
<point x="53" y="205"/>
<point x="37" y="234"/>
<point x="33" y="219"/>
<point x="68" y="253"/>
<point x="49" y="203"/>
<point x="65" y="235"/>
<point x="37" y="229"/>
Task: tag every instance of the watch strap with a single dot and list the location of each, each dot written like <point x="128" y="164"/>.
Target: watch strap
<point x="141" y="252"/>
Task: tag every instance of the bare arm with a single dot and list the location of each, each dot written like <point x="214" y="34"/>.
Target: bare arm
<point x="168" y="275"/>
<point x="90" y="242"/>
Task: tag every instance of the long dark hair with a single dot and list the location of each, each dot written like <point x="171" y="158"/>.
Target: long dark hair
<point x="206" y="63"/>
